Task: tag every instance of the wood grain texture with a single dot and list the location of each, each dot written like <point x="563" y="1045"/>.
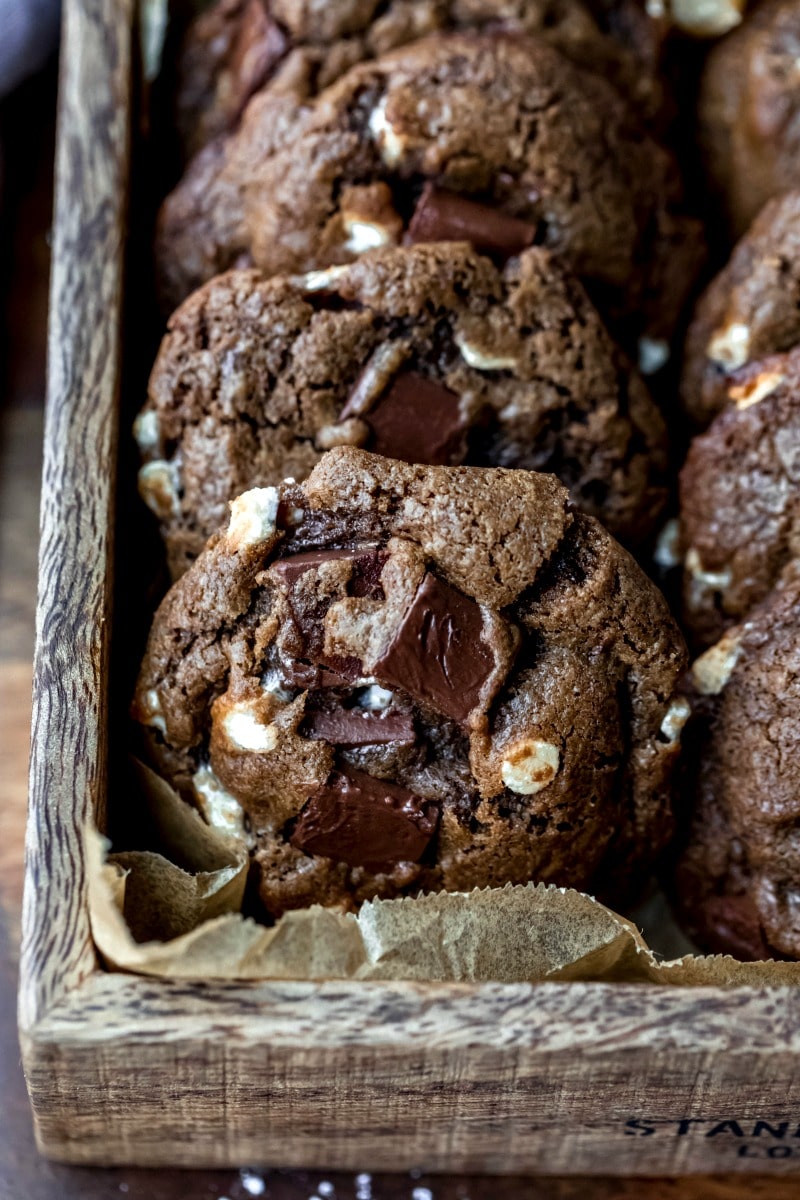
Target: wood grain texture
<point x="495" y="1078"/>
<point x="67" y="772"/>
<point x="490" y="1078"/>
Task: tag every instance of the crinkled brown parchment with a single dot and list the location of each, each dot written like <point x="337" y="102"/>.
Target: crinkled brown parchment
<point x="155" y="917"/>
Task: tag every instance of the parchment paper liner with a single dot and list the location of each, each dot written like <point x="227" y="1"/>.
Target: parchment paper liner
<point x="154" y="917"/>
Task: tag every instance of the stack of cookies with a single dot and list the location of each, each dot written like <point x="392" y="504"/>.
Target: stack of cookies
<point x="402" y="447"/>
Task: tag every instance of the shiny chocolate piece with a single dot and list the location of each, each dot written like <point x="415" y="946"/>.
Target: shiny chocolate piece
<point x="307" y="677"/>
<point x="368" y="562"/>
<point x="442" y="216"/>
<point x="366" y="822"/>
<point x="359" y="727"/>
<point x="418" y="421"/>
<point x="438" y="654"/>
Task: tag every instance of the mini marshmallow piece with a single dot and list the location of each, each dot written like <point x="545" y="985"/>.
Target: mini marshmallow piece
<point x="675" y="718"/>
<point x="667" y="550"/>
<point x="653" y="355"/>
<point x="391" y="147"/>
<point x="530" y="765"/>
<point x="245" y="732"/>
<point x="376" y="698"/>
<point x="482" y="359"/>
<point x="272" y="683"/>
<point x="158" y="483"/>
<point x="703" y="580"/>
<point x="155" y="713"/>
<point x="319" y="281"/>
<point x="374" y="378"/>
<point x="365" y="235"/>
<point x="706" y="18"/>
<point x="712" y="670"/>
<point x="220" y="809"/>
<point x="746" y="394"/>
<point x="253" y="517"/>
<point x="147" y="432"/>
<point x="350" y="432"/>
<point x="730" y="346"/>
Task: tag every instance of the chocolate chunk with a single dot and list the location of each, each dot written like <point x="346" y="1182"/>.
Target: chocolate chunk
<point x="298" y="674"/>
<point x="418" y="421"/>
<point x="442" y="216"/>
<point x="438" y="654"/>
<point x="363" y="821"/>
<point x="359" y="727"/>
<point x="367" y="563"/>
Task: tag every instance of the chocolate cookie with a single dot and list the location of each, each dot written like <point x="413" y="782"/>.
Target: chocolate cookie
<point x="749" y="111"/>
<point x="750" y="310"/>
<point x="239" y="47"/>
<point x="414" y="678"/>
<point x="429" y="354"/>
<point x="740" y="497"/>
<point x="738" y="880"/>
<point x="494" y="140"/>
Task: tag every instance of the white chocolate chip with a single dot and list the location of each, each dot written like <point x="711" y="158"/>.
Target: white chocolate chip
<point x="154" y="711"/>
<point x="482" y="359"/>
<point x="391" y="146"/>
<point x="530" y="765"/>
<point x="730" y="346"/>
<point x="319" y="281"/>
<point x="655" y="9"/>
<point x="220" y="809"/>
<point x="159" y="483"/>
<point x="351" y="432"/>
<point x="375" y="698"/>
<point x="667" y="551"/>
<point x="365" y="235"/>
<point x="253" y="517"/>
<point x="712" y="670"/>
<point x="676" y="717"/>
<point x="746" y="394"/>
<point x="707" y="18"/>
<point x="244" y="730"/>
<point x="653" y="355"/>
<point x="703" y="581"/>
<point x="147" y="431"/>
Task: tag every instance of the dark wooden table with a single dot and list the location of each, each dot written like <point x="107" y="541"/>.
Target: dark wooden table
<point x="27" y="131"/>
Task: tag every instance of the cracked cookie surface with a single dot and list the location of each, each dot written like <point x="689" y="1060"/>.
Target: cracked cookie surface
<point x="416" y="678"/>
<point x="442" y="140"/>
<point x="738" y="878"/>
<point x="750" y="310"/>
<point x="429" y="354"/>
<point x="740" y="497"/>
<point x="239" y="47"/>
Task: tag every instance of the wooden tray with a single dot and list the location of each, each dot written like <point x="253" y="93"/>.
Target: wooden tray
<point x="553" y="1078"/>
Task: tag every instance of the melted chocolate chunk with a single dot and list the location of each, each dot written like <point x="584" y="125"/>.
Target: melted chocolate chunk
<point x="366" y="822"/>
<point x="442" y="216"/>
<point x="367" y="565"/>
<point x="418" y="421"/>
<point x="359" y="727"/>
<point x="438" y="654"/>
